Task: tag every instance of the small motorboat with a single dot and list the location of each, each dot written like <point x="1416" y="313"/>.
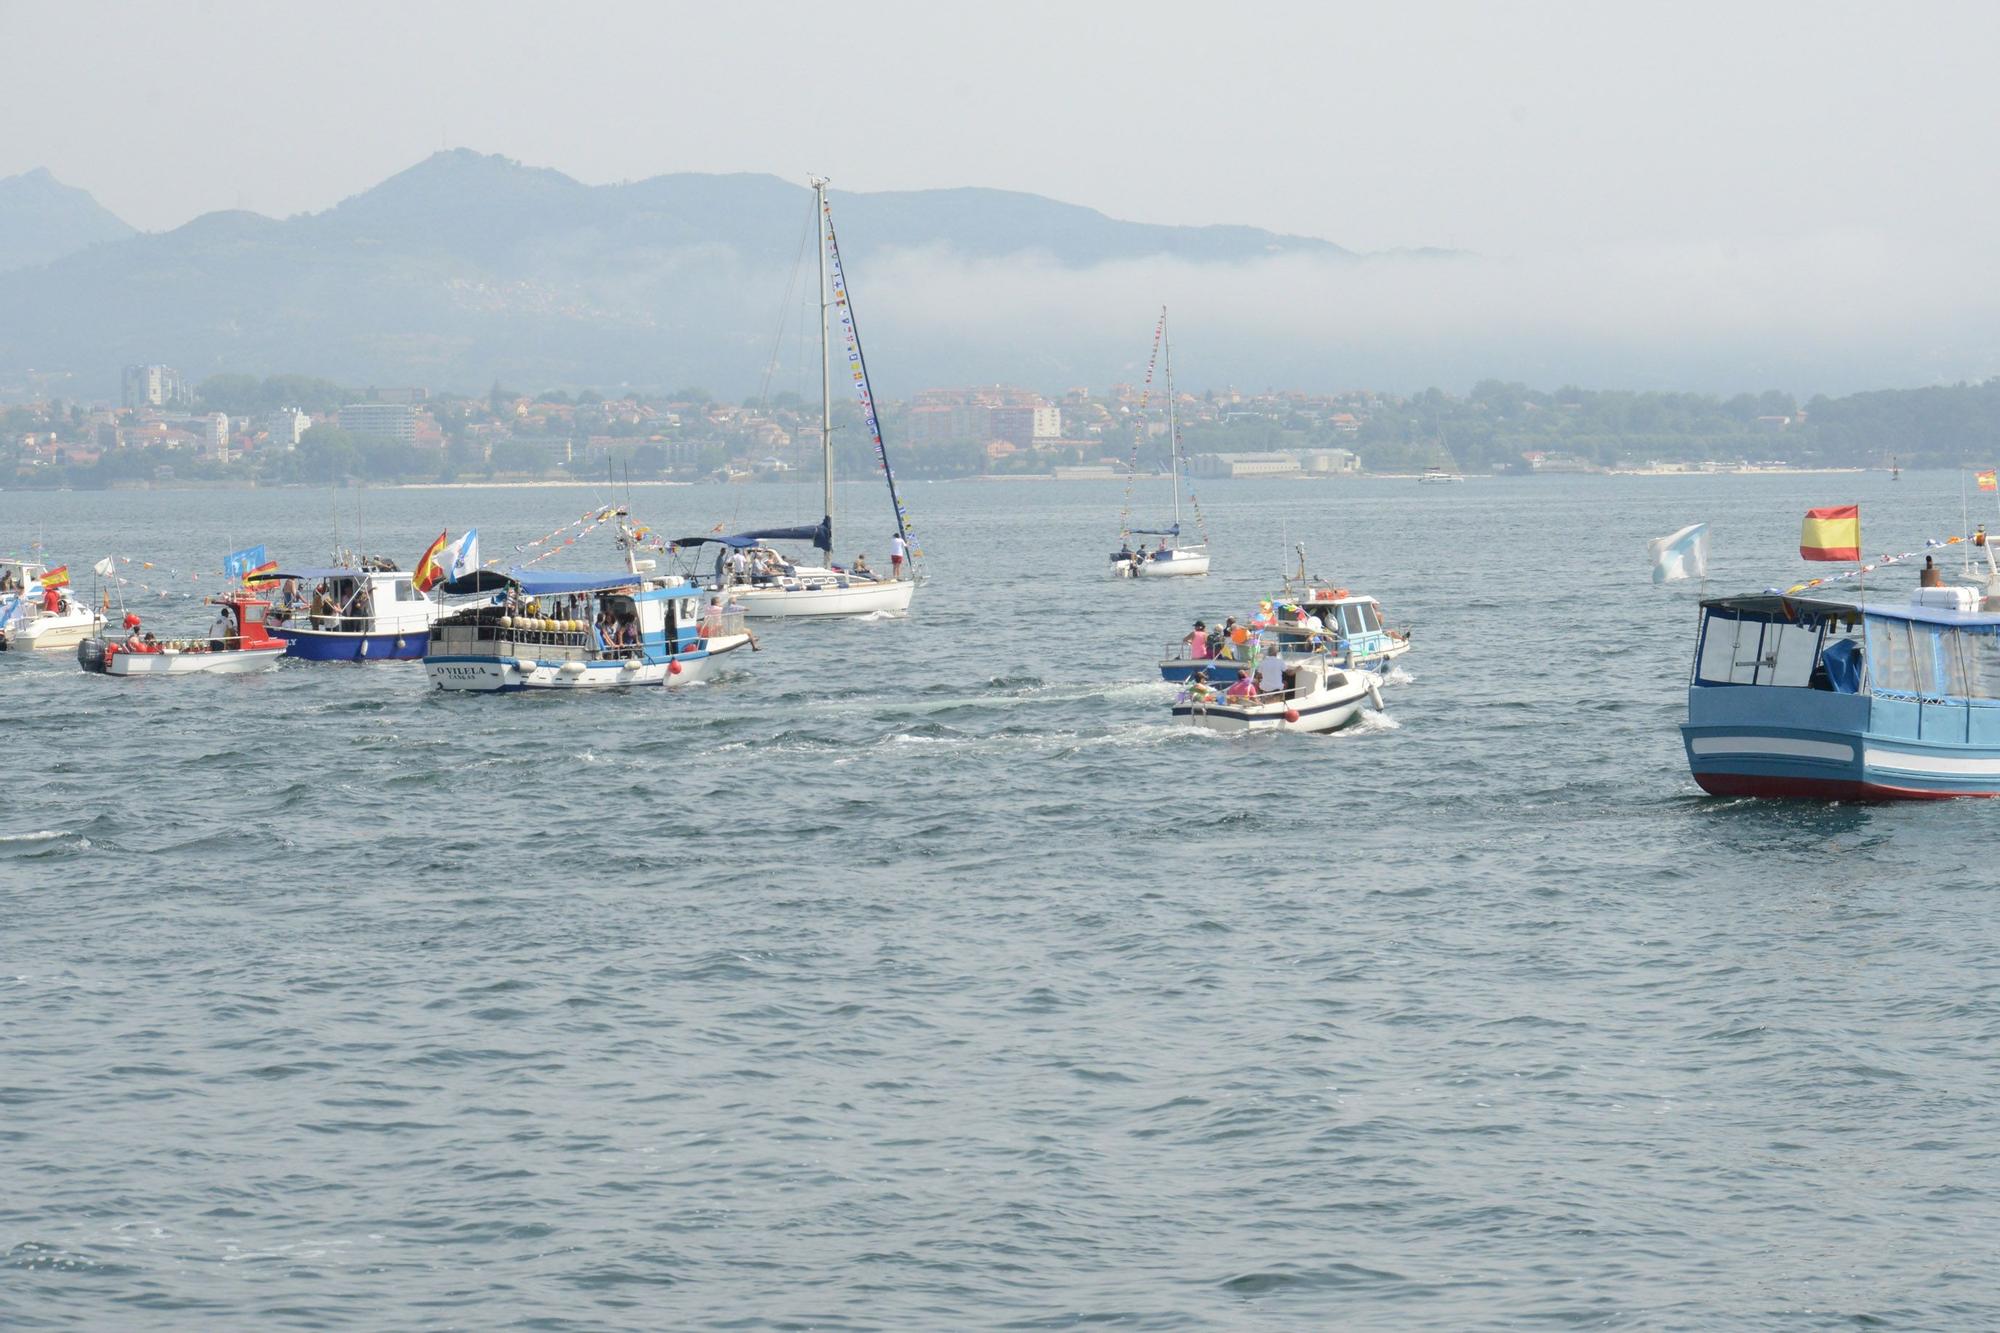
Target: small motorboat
<point x="246" y="646"/>
<point x="37" y="611"/>
<point x="1315" y="697"/>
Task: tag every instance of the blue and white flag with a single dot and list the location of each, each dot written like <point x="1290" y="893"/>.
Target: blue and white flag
<point x="238" y="563"/>
<point x="1684" y="555"/>
<point x="462" y="556"/>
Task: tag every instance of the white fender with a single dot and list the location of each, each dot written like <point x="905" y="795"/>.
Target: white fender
<point x="524" y="666"/>
<point x="571" y="668"/>
<point x="1375" y="694"/>
<point x="631" y="664"/>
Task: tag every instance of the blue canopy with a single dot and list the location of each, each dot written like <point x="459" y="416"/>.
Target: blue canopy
<point x="820" y="535"/>
<point x="537" y="584"/>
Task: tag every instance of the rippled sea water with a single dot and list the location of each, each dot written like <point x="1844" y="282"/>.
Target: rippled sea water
<point x="919" y="973"/>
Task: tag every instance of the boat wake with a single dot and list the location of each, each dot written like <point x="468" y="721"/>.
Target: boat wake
<point x="40" y="835"/>
<point x="1398" y="675"/>
<point x="1371" y="722"/>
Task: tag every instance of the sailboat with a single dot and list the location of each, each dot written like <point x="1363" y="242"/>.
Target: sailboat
<point x="762" y="580"/>
<point x="1169" y="559"/>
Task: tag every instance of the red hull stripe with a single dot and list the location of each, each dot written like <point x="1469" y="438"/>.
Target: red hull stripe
<point x="1820" y="789"/>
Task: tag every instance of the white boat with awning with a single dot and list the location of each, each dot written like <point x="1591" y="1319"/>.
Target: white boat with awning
<point x="34" y="616"/>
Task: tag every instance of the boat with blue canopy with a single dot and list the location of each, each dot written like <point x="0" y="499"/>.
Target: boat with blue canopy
<point x="536" y="630"/>
<point x="1822" y="699"/>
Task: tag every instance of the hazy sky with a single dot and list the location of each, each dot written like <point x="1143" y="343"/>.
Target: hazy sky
<point x="1518" y="130"/>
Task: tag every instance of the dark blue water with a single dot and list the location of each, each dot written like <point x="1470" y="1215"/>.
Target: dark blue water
<point x="920" y="974"/>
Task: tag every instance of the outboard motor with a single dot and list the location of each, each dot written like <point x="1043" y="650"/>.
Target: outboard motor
<point x="90" y="655"/>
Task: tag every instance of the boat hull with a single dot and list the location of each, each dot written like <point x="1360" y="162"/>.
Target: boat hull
<point x="1808" y="744"/>
<point x="1175" y="565"/>
<point x="1321" y="711"/>
<point x="325" y="645"/>
<point x="856" y="599"/>
<point x="1312" y="718"/>
<point x="188" y="664"/>
<point x="46" y="633"/>
<point x="485" y="674"/>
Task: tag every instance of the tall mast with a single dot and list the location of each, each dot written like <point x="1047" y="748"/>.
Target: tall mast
<point x="1173" y="441"/>
<point x="825" y="361"/>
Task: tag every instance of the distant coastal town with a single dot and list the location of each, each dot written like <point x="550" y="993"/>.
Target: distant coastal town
<point x="167" y="430"/>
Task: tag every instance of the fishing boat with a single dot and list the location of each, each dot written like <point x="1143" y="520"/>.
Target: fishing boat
<point x="1314" y="697"/>
<point x="249" y="646"/>
<point x="766" y="583"/>
<point x="1438" y="476"/>
<point x="1170" y="558"/>
<point x="560" y="631"/>
<point x="1310" y="618"/>
<point x="367" y="611"/>
<point x="27" y="619"/>
<point x="1830" y="700"/>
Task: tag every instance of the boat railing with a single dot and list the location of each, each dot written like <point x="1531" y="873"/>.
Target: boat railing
<point x="717" y="624"/>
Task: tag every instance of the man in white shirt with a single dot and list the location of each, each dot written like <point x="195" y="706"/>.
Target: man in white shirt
<point x="222" y="631"/>
<point x="898" y="549"/>
<point x="1271" y="674"/>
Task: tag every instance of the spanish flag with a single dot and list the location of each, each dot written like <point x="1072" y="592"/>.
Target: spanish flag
<point x="264" y="573"/>
<point x="1831" y="534"/>
<point x="429" y="572"/>
<point x="57" y="577"/>
<point x="1989" y="481"/>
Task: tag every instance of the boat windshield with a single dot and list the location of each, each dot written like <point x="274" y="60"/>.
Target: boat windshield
<point x="1928" y="660"/>
<point x="1777" y="642"/>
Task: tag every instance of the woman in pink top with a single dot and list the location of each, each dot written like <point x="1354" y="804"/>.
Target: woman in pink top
<point x="1197" y="641"/>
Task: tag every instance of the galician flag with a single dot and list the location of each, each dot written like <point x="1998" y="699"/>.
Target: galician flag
<point x="462" y="556"/>
<point x="1684" y="555"/>
<point x="1831" y="534"/>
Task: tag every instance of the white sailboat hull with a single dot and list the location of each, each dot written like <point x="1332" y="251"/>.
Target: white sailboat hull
<point x="1180" y="564"/>
<point x="856" y="599"/>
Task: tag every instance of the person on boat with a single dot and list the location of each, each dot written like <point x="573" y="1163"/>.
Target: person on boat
<point x="899" y="550"/>
<point x="1199" y="690"/>
<point x="861" y="570"/>
<point x="134" y="637"/>
<point x="8" y="583"/>
<point x="1161" y="553"/>
<point x="1243" y="690"/>
<point x="1197" y="641"/>
<point x="52" y="600"/>
<point x="1930" y="576"/>
<point x="1271" y="675"/>
<point x="222" y="631"/>
<point x="1979" y="537"/>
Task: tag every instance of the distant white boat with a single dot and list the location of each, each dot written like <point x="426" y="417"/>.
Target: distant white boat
<point x="775" y="587"/>
<point x="1171" y="558"/>
<point x="1437" y="476"/>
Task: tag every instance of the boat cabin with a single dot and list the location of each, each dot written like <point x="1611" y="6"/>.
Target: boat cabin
<point x="346" y="600"/>
<point x="1930" y="670"/>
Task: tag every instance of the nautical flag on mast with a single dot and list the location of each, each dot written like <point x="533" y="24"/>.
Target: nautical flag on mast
<point x="1989" y="480"/>
<point x="1833" y="533"/>
<point x="56" y="578"/>
<point x="264" y="573"/>
<point x="1684" y="555"/>
<point x="462" y="556"/>
<point x="429" y="572"/>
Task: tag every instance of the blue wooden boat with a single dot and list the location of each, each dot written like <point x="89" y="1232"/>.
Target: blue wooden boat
<point x="1799" y="697"/>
